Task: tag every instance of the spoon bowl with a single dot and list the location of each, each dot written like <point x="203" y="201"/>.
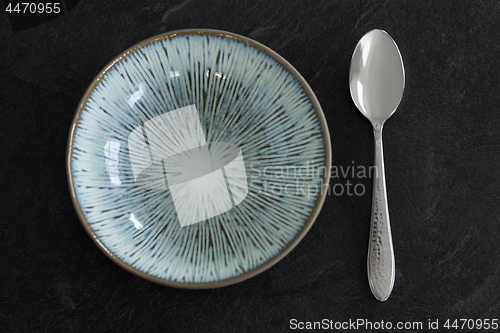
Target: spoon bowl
<point x="376" y="81"/>
<point x="377" y="76"/>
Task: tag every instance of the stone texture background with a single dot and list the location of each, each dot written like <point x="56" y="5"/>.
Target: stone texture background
<point x="442" y="155"/>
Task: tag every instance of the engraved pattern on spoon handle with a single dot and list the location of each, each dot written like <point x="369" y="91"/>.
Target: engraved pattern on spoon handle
<point x="381" y="269"/>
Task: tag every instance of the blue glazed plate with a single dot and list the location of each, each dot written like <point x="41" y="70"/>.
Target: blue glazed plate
<point x="198" y="159"/>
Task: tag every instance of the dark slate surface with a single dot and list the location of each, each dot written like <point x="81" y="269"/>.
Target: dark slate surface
<point x="442" y="161"/>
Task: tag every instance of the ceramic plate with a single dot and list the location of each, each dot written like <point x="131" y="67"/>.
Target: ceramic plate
<point x="197" y="159"/>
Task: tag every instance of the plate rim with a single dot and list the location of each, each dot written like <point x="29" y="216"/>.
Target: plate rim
<point x="267" y="264"/>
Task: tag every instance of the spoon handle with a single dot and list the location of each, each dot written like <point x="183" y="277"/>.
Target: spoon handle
<point x="381" y="269"/>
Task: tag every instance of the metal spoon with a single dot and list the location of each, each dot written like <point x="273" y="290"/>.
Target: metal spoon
<point x="377" y="80"/>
